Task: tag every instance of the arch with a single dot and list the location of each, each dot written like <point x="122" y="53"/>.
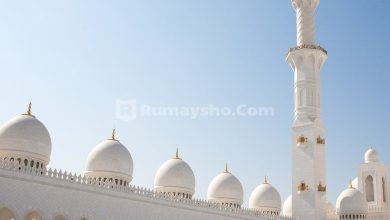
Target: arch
<point x="6" y="214"/>
<point x="384" y="191"/>
<point x="33" y="216"/>
<point x="369" y="186"/>
<point x="59" y="217"/>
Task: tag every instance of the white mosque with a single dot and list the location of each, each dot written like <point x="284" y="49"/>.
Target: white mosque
<point x="30" y="190"/>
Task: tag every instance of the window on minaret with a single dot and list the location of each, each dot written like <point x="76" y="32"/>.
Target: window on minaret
<point x="369" y="186"/>
<point x="384" y="189"/>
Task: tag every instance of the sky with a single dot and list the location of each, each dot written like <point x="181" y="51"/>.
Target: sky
<point x="76" y="60"/>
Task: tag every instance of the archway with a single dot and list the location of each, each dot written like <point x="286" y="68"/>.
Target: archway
<point x="33" y="216"/>
<point x="6" y="214"/>
<point x="370" y="196"/>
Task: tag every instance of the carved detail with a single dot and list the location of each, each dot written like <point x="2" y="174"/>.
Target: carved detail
<point x="302" y="187"/>
<point x="321" y="188"/>
<point x="304" y="3"/>
<point x="302" y="139"/>
<point x="320" y="140"/>
<point x="307" y="46"/>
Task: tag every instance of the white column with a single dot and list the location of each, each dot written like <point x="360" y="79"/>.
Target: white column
<point x="306" y="30"/>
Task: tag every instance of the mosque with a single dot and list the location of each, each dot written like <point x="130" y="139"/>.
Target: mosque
<point x="31" y="190"/>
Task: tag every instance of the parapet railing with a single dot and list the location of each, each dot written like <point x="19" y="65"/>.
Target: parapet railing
<point x="374" y="209"/>
<point x="73" y="178"/>
<point x="307" y="46"/>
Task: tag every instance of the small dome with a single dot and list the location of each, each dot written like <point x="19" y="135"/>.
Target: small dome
<point x="175" y="176"/>
<point x="351" y="201"/>
<point x="225" y="188"/>
<point x="110" y="160"/>
<point x="265" y="198"/>
<point x="25" y="137"/>
<point x="287" y="207"/>
<point x="371" y="156"/>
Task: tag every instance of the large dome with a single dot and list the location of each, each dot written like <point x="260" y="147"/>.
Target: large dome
<point x="287" y="207"/>
<point x="265" y="198"/>
<point x="225" y="188"/>
<point x="175" y="176"/>
<point x="351" y="201"/>
<point x="25" y="137"/>
<point x="110" y="160"/>
<point x="371" y="156"/>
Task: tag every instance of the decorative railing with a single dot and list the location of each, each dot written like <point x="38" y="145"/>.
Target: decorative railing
<point x="307" y="46"/>
<point x="74" y="179"/>
<point x="373" y="209"/>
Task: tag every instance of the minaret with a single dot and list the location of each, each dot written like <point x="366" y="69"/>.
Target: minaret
<point x="308" y="148"/>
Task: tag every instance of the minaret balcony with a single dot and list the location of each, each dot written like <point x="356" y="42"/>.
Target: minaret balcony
<point x="307" y="46"/>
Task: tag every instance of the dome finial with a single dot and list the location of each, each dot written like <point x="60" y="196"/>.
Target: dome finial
<point x="113" y="134"/>
<point x="350" y="185"/>
<point x="177" y="153"/>
<point x="29" y="110"/>
<point x="265" y="180"/>
<point x="226" y="168"/>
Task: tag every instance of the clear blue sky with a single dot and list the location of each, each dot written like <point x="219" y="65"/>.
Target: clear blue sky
<point x="75" y="58"/>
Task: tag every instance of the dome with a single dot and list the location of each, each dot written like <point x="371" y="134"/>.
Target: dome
<point x="265" y="198"/>
<point x="351" y="201"/>
<point x="110" y="160"/>
<point x="287" y="207"/>
<point x="25" y="137"/>
<point x="175" y="176"/>
<point x="371" y="156"/>
<point x="225" y="188"/>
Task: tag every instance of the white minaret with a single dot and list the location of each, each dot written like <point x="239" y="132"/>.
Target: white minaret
<point x="308" y="148"/>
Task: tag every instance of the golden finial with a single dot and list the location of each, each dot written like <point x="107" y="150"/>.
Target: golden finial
<point x="350" y="184"/>
<point x="29" y="110"/>
<point x="226" y="168"/>
<point x="177" y="153"/>
<point x="113" y="135"/>
<point x="265" y="179"/>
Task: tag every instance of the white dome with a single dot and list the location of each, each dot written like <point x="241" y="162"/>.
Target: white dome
<point x="287" y="207"/>
<point x="24" y="136"/>
<point x="371" y="156"/>
<point x="265" y="198"/>
<point x="225" y="188"/>
<point x="110" y="159"/>
<point x="351" y="201"/>
<point x="175" y="176"/>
